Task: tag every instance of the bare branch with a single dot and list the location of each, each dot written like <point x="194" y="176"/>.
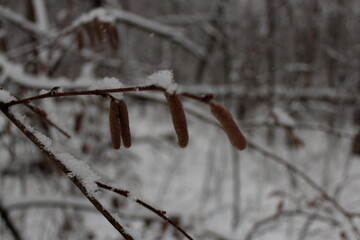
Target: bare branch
<point x="287" y="213"/>
<point x="9" y="224"/>
<point x="158" y="212"/>
<point x="347" y="216"/>
<point x="204" y="98"/>
<point x="102" y="14"/>
<point x="29" y="133"/>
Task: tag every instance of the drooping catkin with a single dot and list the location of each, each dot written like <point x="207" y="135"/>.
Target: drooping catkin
<point x="97" y="25"/>
<point x="178" y="118"/>
<point x="80" y="41"/>
<point x="114" y="123"/>
<point x="113" y="36"/>
<point x="89" y="27"/>
<point x="124" y="123"/>
<point x="229" y="125"/>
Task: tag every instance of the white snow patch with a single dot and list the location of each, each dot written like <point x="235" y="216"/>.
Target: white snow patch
<point x="163" y="78"/>
<point x="5" y="96"/>
<point x="46" y="141"/>
<point x="43" y="139"/>
<point x="17" y="74"/>
<point x="282" y="117"/>
<point x="77" y="168"/>
<point x="43" y="91"/>
<point x="132" y="197"/>
<point x="102" y="14"/>
<point x="108" y="83"/>
<point x="80" y="170"/>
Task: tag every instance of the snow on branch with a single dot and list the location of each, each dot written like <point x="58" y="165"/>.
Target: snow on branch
<point x="18" y="75"/>
<point x="110" y="15"/>
<point x="117" y="15"/>
<point x="20" y="21"/>
<point x="51" y="35"/>
<point x="331" y="95"/>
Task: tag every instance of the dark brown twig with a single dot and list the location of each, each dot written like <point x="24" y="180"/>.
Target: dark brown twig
<point x="203" y="98"/>
<point x="42" y="114"/>
<point x="158" y="212"/>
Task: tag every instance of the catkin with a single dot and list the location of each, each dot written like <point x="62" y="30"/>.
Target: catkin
<point x="229" y="125"/>
<point x="114" y="123"/>
<point x="124" y="124"/>
<point x="178" y="118"/>
<point x="80" y="41"/>
<point x="89" y="27"/>
<point x="97" y="25"/>
<point x="113" y="36"/>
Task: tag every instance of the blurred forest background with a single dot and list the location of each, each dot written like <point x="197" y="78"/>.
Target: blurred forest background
<point x="288" y="70"/>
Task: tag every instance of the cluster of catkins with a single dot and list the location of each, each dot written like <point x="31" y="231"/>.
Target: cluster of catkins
<point x="120" y="129"/>
<point x="119" y="124"/>
<point x="96" y="33"/>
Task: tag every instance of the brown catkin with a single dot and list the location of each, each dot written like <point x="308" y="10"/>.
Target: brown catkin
<point x="178" y="118"/>
<point x="80" y="41"/>
<point x="124" y="124"/>
<point x="114" y="124"/>
<point x="229" y="125"/>
<point x="113" y="36"/>
<point x="97" y="27"/>
<point x="89" y="27"/>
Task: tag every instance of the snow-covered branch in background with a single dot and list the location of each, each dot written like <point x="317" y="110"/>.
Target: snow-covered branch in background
<point x="117" y="15"/>
<point x="15" y="72"/>
<point x="331" y="95"/>
<point x="109" y="15"/>
<point x="22" y="23"/>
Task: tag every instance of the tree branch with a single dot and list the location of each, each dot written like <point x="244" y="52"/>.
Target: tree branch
<point x="31" y="135"/>
<point x="158" y="212"/>
<point x="10" y="225"/>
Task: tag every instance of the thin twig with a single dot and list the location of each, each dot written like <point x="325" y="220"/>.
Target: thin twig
<point x="10" y="225"/>
<point x="42" y="114"/>
<point x="158" y="212"/>
<point x="310" y="182"/>
<point x="286" y="213"/>
<point x="53" y="94"/>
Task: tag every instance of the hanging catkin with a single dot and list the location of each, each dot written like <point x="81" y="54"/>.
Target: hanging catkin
<point x="124" y="123"/>
<point x="229" y="125"/>
<point x="113" y="36"/>
<point x="114" y="124"/>
<point x="79" y="41"/>
<point x="178" y="118"/>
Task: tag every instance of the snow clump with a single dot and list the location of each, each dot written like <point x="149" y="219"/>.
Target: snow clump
<point x="5" y="96"/>
<point x="108" y="83"/>
<point x="163" y="78"/>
